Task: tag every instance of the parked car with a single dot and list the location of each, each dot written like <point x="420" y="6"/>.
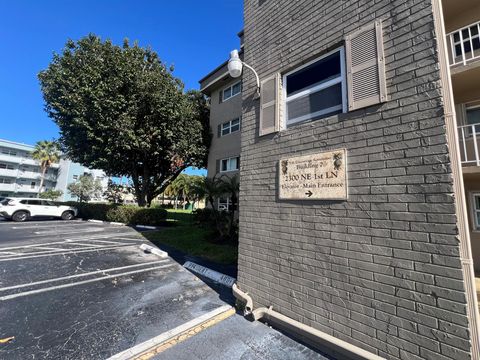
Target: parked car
<point x="21" y="209"/>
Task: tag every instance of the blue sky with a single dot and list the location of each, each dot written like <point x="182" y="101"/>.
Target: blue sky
<point x="195" y="36"/>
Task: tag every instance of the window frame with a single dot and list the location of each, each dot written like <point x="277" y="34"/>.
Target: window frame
<point x="474" y="211"/>
<point x="231" y="91"/>
<point x="228" y="203"/>
<point x="342" y="79"/>
<point x="229" y="127"/>
<point x="237" y="159"/>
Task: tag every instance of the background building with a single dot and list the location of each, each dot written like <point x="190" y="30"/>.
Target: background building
<point x="20" y="175"/>
<point x="225" y="95"/>
<point x="388" y="268"/>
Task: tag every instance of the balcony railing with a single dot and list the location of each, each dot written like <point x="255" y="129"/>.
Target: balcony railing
<point x="464" y="44"/>
<point x="468" y="136"/>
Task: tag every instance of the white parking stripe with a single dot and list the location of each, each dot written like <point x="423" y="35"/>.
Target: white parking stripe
<point x="49" y="225"/>
<point x="103" y="271"/>
<point x="106" y="277"/>
<point x="60" y="232"/>
<point x="27" y="256"/>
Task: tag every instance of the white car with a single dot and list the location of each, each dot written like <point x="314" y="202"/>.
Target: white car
<point x="21" y="209"/>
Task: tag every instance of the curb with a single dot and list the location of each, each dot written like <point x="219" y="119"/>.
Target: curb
<point x="162" y="342"/>
<point x="123" y="224"/>
<point x="210" y="274"/>
<point x="152" y="250"/>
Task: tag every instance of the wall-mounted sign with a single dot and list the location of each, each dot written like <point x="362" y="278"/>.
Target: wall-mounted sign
<point x="319" y="176"/>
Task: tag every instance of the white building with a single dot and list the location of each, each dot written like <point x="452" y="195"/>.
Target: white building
<point x="20" y="175"/>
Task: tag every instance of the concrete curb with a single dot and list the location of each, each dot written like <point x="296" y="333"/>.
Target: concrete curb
<point x="209" y="273"/>
<point x="171" y="337"/>
<point x="153" y="250"/>
<point x="123" y="224"/>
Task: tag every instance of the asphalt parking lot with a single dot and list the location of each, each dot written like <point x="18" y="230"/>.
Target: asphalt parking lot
<point x="82" y="290"/>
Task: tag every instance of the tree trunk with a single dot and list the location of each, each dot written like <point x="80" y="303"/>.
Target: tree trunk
<point x="176" y="202"/>
<point x="42" y="179"/>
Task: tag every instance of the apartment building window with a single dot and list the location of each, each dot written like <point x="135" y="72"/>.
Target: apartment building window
<point x="475" y="197"/>
<point x="231" y="91"/>
<point x="75" y="177"/>
<point x="9" y="152"/>
<point x="317" y="89"/>
<point x="32" y="185"/>
<point x="5" y="181"/>
<point x="6" y="166"/>
<point x="466" y="43"/>
<point x="229" y="164"/>
<point x="224" y="204"/>
<point x="230" y="127"/>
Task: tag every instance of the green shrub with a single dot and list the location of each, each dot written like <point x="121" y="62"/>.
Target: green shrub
<point x="127" y="214"/>
<point x="204" y="216"/>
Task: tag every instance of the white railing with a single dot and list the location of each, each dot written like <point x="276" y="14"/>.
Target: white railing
<point x="464" y="44"/>
<point x="468" y="137"/>
<point x="7" y="187"/>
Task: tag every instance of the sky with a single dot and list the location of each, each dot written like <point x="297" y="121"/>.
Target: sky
<point x="195" y="36"/>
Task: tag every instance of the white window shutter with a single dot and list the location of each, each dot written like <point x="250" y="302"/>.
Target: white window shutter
<point x="365" y="67"/>
<point x="270" y="105"/>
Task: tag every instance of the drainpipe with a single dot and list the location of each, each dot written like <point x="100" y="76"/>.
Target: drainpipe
<point x="308" y="334"/>
<point x="243" y="297"/>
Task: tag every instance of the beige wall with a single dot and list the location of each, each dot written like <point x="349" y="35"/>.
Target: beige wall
<point x="220" y="112"/>
<point x="472" y="185"/>
<point x="460" y="13"/>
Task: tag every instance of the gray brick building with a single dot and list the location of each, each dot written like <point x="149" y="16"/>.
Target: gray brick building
<point x="389" y="269"/>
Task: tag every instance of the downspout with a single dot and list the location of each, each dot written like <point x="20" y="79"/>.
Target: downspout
<point x="308" y="334"/>
<point x="458" y="186"/>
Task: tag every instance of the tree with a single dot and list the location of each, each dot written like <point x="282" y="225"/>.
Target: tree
<point x="51" y="194"/>
<point x="230" y="186"/>
<point x="85" y="188"/>
<point x="121" y="110"/>
<point x="46" y="153"/>
<point x="116" y="192"/>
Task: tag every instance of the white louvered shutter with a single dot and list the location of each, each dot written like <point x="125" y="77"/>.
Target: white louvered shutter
<point x="269" y="105"/>
<point x="365" y="67"/>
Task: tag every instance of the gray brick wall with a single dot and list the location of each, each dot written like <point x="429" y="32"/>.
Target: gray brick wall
<point x="381" y="270"/>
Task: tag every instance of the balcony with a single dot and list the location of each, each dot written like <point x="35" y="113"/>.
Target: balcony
<point x="8" y="173"/>
<point x="27" y="188"/>
<point x="464" y="45"/>
<point x="7" y="187"/>
<point x="468" y="137"/>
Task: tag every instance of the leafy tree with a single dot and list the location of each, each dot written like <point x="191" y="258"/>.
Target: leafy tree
<point x="51" y="194"/>
<point x="85" y="188"/>
<point x="121" y="110"/>
<point x="46" y="153"/>
<point x="116" y="192"/>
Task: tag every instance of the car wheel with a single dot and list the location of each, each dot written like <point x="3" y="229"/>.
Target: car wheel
<point x="67" y="215"/>
<point x="20" y="216"/>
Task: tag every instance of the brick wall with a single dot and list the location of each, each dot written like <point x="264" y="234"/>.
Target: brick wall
<point x="382" y="269"/>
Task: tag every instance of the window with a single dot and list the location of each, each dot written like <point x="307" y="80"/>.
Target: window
<point x="34" y="202"/>
<point x="476" y="211"/>
<point x="317" y="89"/>
<point x="5" y="181"/>
<point x="230" y="127"/>
<point x="229" y="164"/>
<point x="6" y="166"/>
<point x="224" y="204"/>
<point x="75" y="177"/>
<point x="32" y="185"/>
<point x="466" y="43"/>
<point x="9" y="152"/>
<point x="231" y="91"/>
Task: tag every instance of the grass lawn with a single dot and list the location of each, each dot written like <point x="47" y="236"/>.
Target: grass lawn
<point x="193" y="239"/>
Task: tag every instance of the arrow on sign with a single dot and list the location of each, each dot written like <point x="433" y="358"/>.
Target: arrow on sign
<point x="309" y="193"/>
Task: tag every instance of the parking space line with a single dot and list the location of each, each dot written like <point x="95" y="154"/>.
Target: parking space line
<point x="106" y="277"/>
<point x="102" y="271"/>
<point x="27" y="256"/>
<point x="40" y="225"/>
<point x="55" y="232"/>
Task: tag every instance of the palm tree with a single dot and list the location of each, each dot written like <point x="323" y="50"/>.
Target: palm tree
<point x="46" y="153"/>
<point x="172" y="191"/>
<point x="230" y="186"/>
<point x="184" y="186"/>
